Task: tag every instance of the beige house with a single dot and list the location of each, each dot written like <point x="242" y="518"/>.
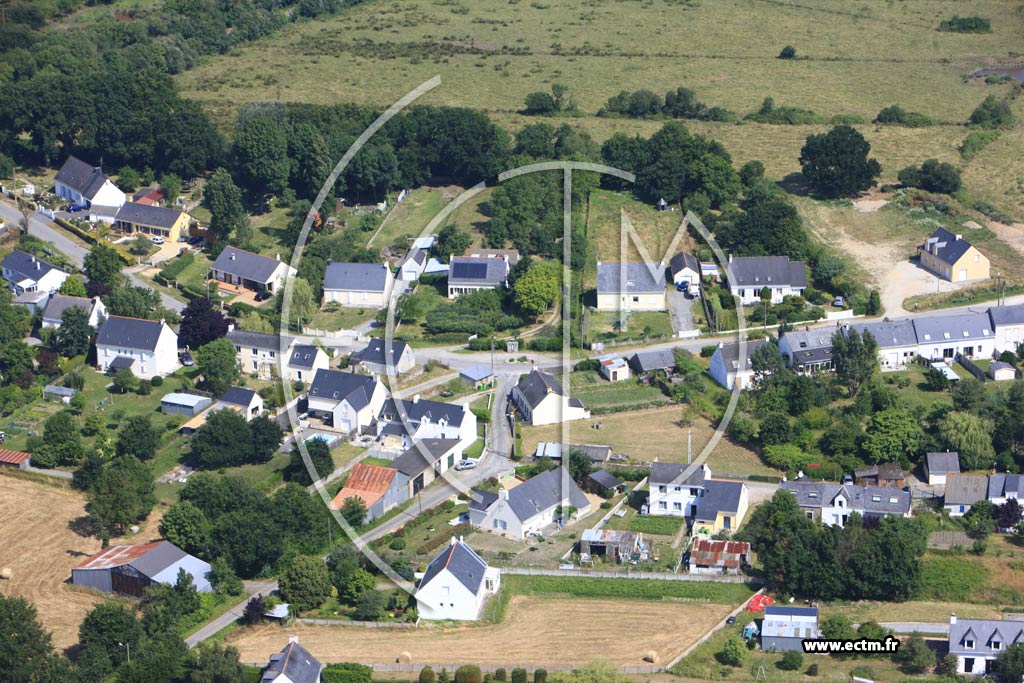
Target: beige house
<point x="722" y="507"/>
<point x="630" y="286"/>
<point x="358" y="285"/>
<point x="953" y="258"/>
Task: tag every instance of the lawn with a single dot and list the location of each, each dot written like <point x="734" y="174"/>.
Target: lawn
<point x="663" y="438"/>
<point x="490" y="54"/>
<point x="655" y="229"/>
<point x="605" y="326"/>
<point x="268" y="229"/>
<point x="341" y="318"/>
<point x="410" y="216"/>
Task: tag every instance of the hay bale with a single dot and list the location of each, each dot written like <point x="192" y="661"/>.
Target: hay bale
<point x="651" y="657"/>
<point x="404" y="657"/>
<point x="6" y="573"/>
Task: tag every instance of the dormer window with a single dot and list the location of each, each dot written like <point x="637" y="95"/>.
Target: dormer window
<point x="968" y="644"/>
<point x="996" y="645"/>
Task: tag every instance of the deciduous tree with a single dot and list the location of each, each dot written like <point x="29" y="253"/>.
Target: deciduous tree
<point x="305" y="584"/>
<point x="837" y="162"/>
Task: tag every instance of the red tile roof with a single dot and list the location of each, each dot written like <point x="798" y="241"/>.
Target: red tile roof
<point x="116" y="556"/>
<point x="8" y="457"/>
<point x="369" y="482"/>
<point x="718" y="553"/>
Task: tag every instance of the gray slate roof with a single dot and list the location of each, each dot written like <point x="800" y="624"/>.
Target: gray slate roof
<point x="147" y="215"/>
<point x="129" y="333"/>
<point x="303" y="356"/>
<point x="481" y="500"/>
<point x="670" y="473"/>
<point x="238" y="396"/>
<point x="949" y="248"/>
<point x="1005" y="486"/>
<point x="731" y="355"/>
<point x="537" y="385"/>
<point x="965" y="489"/>
<point x="984" y="632"/>
<point x="424" y="410"/>
<point x="293" y="662"/>
<point x="544" y="491"/>
<point x="684" y="259"/>
<point x="338" y="386"/>
<point x="639" y="277"/>
<point x="870" y="500"/>
<point x="646" y="361"/>
<point x="719" y="496"/>
<point x="374" y="352"/>
<point x="953" y="328"/>
<point x="476" y="271"/>
<point x="889" y="333"/>
<point x="464" y="564"/>
<point x="767" y="271"/>
<point x="413" y="460"/>
<point x="802" y="340"/>
<point x="256" y="340"/>
<point x="944" y="463"/>
<point x="605" y="479"/>
<point x="27" y="266"/>
<point x="476" y="373"/>
<point x="1007" y="315"/>
<point x="358" y="277"/>
<point x="81" y="177"/>
<point x="54" y="310"/>
<point x="245" y="264"/>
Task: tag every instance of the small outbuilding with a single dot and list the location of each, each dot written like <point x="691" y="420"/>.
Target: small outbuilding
<point x="785" y="628"/>
<point x="53" y="392"/>
<point x="188" y="405"/>
<point x="603" y="483"/>
<point x="478" y="377"/>
<point x="16" y="459"/>
<point x="613" y="367"/>
<point x="937" y="466"/>
<point x="1001" y="372"/>
<point x="617" y="546"/>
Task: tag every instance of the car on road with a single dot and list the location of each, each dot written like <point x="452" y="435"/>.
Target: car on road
<point x="186" y="359"/>
<point x="262" y="295"/>
<point x="156" y="239"/>
<point x="839" y="302"/>
<point x="465" y="465"/>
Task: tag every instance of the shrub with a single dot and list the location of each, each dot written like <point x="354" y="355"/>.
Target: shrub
<point x="468" y="673"/>
<point x="734" y="652"/>
<point x="897" y="115"/>
<point x="708" y="351"/>
<point x="933" y="176"/>
<point x="500" y="674"/>
<point x="812" y="670"/>
<point x="145" y="387"/>
<point x="863" y="672"/>
<point x="397" y="544"/>
<point x="976" y="141"/>
<point x="518" y="675"/>
<point x="958" y="24"/>
<point x="788" y="52"/>
<point x="157" y="381"/>
<point x="791" y="660"/>
<point x="427" y="675"/>
<point x="346" y="672"/>
<point x="992" y="113"/>
<point x="540" y="676"/>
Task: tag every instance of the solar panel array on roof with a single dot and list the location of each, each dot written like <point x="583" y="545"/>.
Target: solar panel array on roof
<point x="469" y="270"/>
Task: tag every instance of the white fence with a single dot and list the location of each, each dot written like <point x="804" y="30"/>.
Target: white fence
<point x="655" y="576"/>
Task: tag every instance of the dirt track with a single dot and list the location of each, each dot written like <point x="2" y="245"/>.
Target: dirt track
<point x="38" y="545"/>
<point x="535" y="631"/>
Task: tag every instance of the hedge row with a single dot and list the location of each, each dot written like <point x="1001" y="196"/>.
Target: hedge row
<point x="433" y="544"/>
<point x="175" y="267"/>
<point x="625" y="407"/>
<point x="125" y="257"/>
<point x="346" y="673"/>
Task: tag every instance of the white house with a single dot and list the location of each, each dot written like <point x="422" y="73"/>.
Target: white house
<point x="962" y="491"/>
<point x="808" y="351"/>
<point x="751" y="274"/>
<point x="247" y="270"/>
<point x="473" y="273"/>
<point x="303" y="361"/>
<point x="86" y="185"/>
<point x="456" y="584"/>
<point x="937" y="466"/>
<point x="531" y="507"/>
<point x="943" y="337"/>
<point x="248" y="403"/>
<point x="685" y="270"/>
<point x="832" y="504"/>
<point x="674" y="491"/>
<point x="630" y="286"/>
<point x="358" y="285"/>
<point x="977" y="643"/>
<point x="1008" y="324"/>
<point x="403" y="422"/>
<point x="897" y="341"/>
<point x="372" y="358"/>
<point x="540" y="399"/>
<point x="53" y="314"/>
<point x="257" y="353"/>
<point x="1003" y="487"/>
<point x="728" y="369"/>
<point x="293" y="664"/>
<point x="146" y="347"/>
<point x="412" y="265"/>
<point x="27" y="273"/>
<point x="344" y="400"/>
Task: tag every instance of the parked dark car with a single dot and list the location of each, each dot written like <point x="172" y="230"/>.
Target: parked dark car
<point x="74" y="208"/>
<point x="194" y="240"/>
<point x="263" y="295"/>
<point x="186" y="359"/>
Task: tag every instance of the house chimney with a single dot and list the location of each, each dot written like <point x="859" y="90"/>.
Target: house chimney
<point x="800" y="474"/>
<point x="454" y="541"/>
<point x="503" y="493"/>
<point x="232" y="256"/>
<point x="293" y="639"/>
<point x="730" y="258"/>
<point x="959" y="237"/>
<point x="952" y="619"/>
<point x="416" y="398"/>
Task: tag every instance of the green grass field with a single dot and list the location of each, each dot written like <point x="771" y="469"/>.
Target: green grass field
<point x="491" y="53"/>
<point x="409" y="217"/>
<point x="343" y="318"/>
<point x="600" y="395"/>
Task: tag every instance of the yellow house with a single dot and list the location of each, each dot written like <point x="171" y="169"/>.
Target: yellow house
<point x="722" y="507"/>
<point x="953" y="258"/>
<point x="630" y="286"/>
<point x="156" y="221"/>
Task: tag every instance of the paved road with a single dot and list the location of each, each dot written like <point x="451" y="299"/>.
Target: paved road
<point x="252" y="588"/>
